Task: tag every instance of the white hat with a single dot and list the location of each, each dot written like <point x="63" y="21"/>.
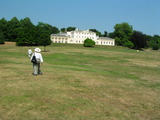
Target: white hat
<point x="37" y="50"/>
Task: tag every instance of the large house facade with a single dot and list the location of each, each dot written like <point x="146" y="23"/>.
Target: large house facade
<point x="78" y="36"/>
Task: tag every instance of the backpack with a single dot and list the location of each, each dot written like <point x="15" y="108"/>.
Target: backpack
<point x="34" y="60"/>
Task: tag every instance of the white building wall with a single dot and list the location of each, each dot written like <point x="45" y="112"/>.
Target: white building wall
<point x="105" y="42"/>
<point x="78" y="37"/>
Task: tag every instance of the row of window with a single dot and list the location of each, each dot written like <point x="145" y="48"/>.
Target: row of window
<point x="59" y="38"/>
<point x="84" y="37"/>
<point x="60" y="41"/>
<point x="79" y="41"/>
<point x="105" y="43"/>
<point x="84" y="33"/>
<point x="102" y="43"/>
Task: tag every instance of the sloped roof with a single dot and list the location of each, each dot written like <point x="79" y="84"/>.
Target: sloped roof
<point x="60" y="34"/>
<point x="105" y="38"/>
<point x="78" y="30"/>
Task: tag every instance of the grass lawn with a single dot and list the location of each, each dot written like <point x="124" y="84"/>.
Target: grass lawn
<point x="78" y="83"/>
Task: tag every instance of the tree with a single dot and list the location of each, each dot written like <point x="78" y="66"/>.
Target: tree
<point x="26" y="33"/>
<point x="4" y="27"/>
<point x="117" y="41"/>
<point x="129" y="44"/>
<point x="124" y="32"/>
<point x="2" y="40"/>
<point x="26" y="22"/>
<point x="88" y="43"/>
<point x="139" y="40"/>
<point x="13" y="26"/>
<point x="155" y="42"/>
<point x="63" y="29"/>
<point x="71" y="28"/>
<point x="44" y="40"/>
<point x="105" y="34"/>
<point x="48" y="28"/>
<point x="111" y="35"/>
<point x="54" y="30"/>
<point x="96" y="31"/>
<point x="155" y="46"/>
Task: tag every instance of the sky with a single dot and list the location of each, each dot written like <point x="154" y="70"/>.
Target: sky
<point x="103" y="15"/>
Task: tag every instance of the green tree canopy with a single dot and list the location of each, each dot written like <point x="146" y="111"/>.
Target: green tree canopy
<point x="71" y="28"/>
<point x="48" y="28"/>
<point x="2" y="40"/>
<point x="63" y="29"/>
<point x="13" y="26"/>
<point x="155" y="42"/>
<point x="105" y="34"/>
<point x="26" y="33"/>
<point x="96" y="31"/>
<point x="44" y="40"/>
<point x="4" y="27"/>
<point x="123" y="32"/>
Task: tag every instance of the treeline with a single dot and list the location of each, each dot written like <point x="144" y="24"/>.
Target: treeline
<point x="24" y="32"/>
<point x="124" y="35"/>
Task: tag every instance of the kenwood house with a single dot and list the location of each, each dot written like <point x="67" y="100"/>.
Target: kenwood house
<point x="78" y="37"/>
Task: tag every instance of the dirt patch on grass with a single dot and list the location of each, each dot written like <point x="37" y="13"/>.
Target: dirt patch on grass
<point x="10" y="43"/>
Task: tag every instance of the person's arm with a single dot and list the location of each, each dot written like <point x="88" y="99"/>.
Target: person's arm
<point x="31" y="57"/>
<point x="41" y="58"/>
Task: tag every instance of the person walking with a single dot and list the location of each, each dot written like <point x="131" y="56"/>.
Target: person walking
<point x="39" y="61"/>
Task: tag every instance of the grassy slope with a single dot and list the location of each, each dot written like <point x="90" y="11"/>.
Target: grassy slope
<point x="80" y="83"/>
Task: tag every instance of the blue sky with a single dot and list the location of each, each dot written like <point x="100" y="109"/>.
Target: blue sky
<point x="103" y="15"/>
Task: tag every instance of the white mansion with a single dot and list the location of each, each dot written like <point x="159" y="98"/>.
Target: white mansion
<point x="78" y="37"/>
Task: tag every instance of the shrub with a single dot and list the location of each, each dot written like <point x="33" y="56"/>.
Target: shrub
<point x="129" y="44"/>
<point x="155" y="47"/>
<point x="88" y="43"/>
